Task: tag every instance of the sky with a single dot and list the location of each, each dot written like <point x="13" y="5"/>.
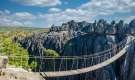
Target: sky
<point x="44" y="13"/>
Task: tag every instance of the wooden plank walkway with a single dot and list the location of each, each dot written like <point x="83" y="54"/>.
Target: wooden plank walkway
<point x="91" y="68"/>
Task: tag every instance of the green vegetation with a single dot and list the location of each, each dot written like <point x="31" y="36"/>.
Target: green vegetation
<point x="26" y="29"/>
<point x="10" y="48"/>
<point x="19" y="56"/>
<point x="33" y="65"/>
<point x="50" y="52"/>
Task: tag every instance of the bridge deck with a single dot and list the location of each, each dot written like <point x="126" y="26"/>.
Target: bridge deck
<point x="88" y="69"/>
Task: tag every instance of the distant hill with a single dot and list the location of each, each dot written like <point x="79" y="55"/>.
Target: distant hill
<point x="27" y="29"/>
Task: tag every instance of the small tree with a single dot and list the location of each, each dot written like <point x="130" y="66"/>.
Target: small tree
<point x="49" y="64"/>
<point x="13" y="49"/>
<point x="50" y="52"/>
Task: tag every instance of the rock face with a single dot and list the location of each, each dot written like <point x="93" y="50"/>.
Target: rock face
<point x="132" y="26"/>
<point x="3" y="61"/>
<point x="77" y="38"/>
<point x="19" y="74"/>
<point x="81" y="38"/>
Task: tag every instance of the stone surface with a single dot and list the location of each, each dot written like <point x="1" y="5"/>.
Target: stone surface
<point x="3" y="61"/>
<point x="19" y="74"/>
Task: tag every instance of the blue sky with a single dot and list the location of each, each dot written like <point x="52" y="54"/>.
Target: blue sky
<point x="44" y="13"/>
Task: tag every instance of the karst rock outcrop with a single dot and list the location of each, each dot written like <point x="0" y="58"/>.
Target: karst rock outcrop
<point x="81" y="38"/>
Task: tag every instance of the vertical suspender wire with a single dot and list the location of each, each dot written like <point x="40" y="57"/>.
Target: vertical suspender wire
<point x="72" y="66"/>
<point x="61" y="61"/>
<point x="66" y="63"/>
<point x="104" y="57"/>
<point x="41" y="63"/>
<point x="98" y="58"/>
<point x="14" y="58"/>
<point x="39" y="60"/>
<point x="35" y="63"/>
<point x="73" y="62"/>
<point x="110" y="55"/>
<point x="91" y="62"/>
<point x="85" y="65"/>
<point x="21" y="61"/>
<point x="77" y="63"/>
<point x="54" y="64"/>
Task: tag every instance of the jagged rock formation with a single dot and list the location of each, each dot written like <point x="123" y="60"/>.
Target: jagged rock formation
<point x="132" y="26"/>
<point x="77" y="38"/>
<point x="80" y="38"/>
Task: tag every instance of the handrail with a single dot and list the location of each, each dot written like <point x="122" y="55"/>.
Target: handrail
<point x="123" y="48"/>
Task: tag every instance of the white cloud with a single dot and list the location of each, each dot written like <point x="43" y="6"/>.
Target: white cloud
<point x="16" y="19"/>
<point x="86" y="12"/>
<point x="28" y="23"/>
<point x="126" y="19"/>
<point x="129" y="18"/>
<point x="24" y="16"/>
<point x="109" y="6"/>
<point x="67" y="15"/>
<point x="44" y="19"/>
<point x="7" y="22"/>
<point x="54" y="10"/>
<point x="40" y="3"/>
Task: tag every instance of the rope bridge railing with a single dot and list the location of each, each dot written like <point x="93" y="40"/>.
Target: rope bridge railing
<point x="67" y="63"/>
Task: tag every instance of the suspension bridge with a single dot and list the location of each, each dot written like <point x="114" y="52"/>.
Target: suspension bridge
<point x="74" y="65"/>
